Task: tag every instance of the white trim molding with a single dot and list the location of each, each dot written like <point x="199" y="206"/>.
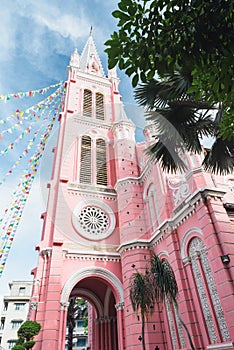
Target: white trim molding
<point x="93" y="271"/>
<point x="221" y="346"/>
<point x="193" y="231"/>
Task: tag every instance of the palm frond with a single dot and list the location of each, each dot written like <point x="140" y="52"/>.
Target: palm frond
<point x="176" y="86"/>
<point x="170" y="284"/>
<point x="167" y="155"/>
<point x="179" y="128"/>
<point x="166" y="286"/>
<point x="159" y="94"/>
<point x="172" y="118"/>
<point x="141" y="294"/>
<point x="220" y="158"/>
<point x="205" y="126"/>
<point x="164" y="277"/>
<point x="147" y="94"/>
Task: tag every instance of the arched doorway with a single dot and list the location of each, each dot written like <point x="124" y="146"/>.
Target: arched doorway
<point x="104" y="293"/>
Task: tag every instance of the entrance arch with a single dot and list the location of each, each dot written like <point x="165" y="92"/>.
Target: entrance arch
<point x="104" y="291"/>
<point x="94" y="271"/>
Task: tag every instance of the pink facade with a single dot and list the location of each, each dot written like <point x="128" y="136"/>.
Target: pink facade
<point x="109" y="208"/>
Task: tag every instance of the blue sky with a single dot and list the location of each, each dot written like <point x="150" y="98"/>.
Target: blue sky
<point x="37" y="38"/>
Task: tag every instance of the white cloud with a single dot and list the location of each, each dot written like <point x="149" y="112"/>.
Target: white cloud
<point x="56" y="19"/>
<point x="7" y="37"/>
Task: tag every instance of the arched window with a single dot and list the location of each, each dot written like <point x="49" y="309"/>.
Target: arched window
<point x="99" y="106"/>
<point x="93" y="166"/>
<point x="154" y="209"/>
<point x="87" y="103"/>
<point x="175" y="325"/>
<point x="101" y="169"/>
<point x="85" y="161"/>
<point x="207" y="291"/>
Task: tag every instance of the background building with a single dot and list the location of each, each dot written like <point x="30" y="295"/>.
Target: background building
<point x="109" y="209"/>
<point x="15" y="311"/>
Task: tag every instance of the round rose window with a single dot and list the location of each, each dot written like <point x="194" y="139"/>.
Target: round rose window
<point x="94" y="220"/>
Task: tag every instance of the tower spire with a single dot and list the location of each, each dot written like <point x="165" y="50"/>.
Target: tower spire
<point x="90" y="61"/>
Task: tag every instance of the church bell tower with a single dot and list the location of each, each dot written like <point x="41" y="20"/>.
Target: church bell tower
<point x="78" y="249"/>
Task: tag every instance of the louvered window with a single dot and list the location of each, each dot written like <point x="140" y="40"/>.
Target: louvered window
<point x="87" y="105"/>
<point x="101" y="162"/>
<point x="85" y="164"/>
<point x="99" y="106"/>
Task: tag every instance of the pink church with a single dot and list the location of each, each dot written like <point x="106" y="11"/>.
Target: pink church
<point x="109" y="208"/>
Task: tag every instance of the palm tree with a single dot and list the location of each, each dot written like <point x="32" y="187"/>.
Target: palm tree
<point x="165" y="286"/>
<point x="142" y="297"/>
<point x="181" y="122"/>
<point x="77" y="309"/>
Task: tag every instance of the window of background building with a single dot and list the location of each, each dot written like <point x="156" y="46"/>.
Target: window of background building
<point x="11" y="343"/>
<point x="2" y="323"/>
<point x="15" y="324"/>
<point x="5" y="307"/>
<point x="79" y="323"/>
<point x="19" y="306"/>
<point x="81" y="342"/>
<point x="22" y="291"/>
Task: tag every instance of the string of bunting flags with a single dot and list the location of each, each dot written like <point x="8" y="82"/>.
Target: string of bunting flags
<point x="20" y="198"/>
<point x="12" y="215"/>
<point x="32" y="93"/>
<point x="29" y="113"/>
<point x="31" y="141"/>
<point x="34" y="117"/>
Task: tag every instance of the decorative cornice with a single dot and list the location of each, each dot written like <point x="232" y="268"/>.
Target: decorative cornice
<point x="89" y="191"/>
<point x="128" y="180"/>
<point x="92" y="78"/>
<point x="122" y="122"/>
<point x="92" y="256"/>
<point x="186" y="210"/>
<point x="136" y="180"/>
<point x="100" y="124"/>
<point x="130" y="245"/>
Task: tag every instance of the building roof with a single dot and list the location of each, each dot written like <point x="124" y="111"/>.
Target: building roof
<point x="90" y="56"/>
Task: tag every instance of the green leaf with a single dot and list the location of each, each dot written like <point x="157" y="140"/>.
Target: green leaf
<point x="130" y="71"/>
<point x="150" y="75"/>
<point x="143" y="77"/>
<point x="132" y="10"/>
<point x="135" y="80"/>
<point x="121" y="63"/>
<point x="112" y="63"/>
<point x="122" y="6"/>
<point x="116" y="13"/>
<point x="120" y="15"/>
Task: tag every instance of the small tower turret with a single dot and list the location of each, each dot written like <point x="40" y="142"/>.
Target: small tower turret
<point x="74" y="64"/>
<point x="75" y="59"/>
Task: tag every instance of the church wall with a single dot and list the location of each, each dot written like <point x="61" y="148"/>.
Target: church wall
<point x="180" y="217"/>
